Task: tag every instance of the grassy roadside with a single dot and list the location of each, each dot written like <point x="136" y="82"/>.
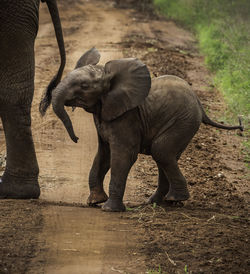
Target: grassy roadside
<point x="222" y="29"/>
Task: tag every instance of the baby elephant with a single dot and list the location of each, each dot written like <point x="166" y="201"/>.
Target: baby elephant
<point x="132" y="115"/>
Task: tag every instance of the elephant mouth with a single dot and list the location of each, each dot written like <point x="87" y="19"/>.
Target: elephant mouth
<point x="80" y="103"/>
<point x="76" y="103"/>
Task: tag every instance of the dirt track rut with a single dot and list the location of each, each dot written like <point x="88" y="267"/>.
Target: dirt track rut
<point x="77" y="240"/>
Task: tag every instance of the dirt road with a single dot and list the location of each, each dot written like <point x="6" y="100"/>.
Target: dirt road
<point x="58" y="234"/>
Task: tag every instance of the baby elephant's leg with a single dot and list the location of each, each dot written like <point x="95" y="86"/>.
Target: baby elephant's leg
<point x="122" y="160"/>
<point x="162" y="189"/>
<point x="98" y="171"/>
<point x="178" y="190"/>
<point x="165" y="152"/>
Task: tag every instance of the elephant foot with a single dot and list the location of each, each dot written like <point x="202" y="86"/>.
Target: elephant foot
<point x="156" y="198"/>
<point x="176" y="196"/>
<point x="97" y="196"/>
<point x="114" y="206"/>
<point x="12" y="187"/>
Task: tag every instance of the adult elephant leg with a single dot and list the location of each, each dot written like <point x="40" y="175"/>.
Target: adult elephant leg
<point x="122" y="159"/>
<point x="18" y="29"/>
<point x="20" y="179"/>
<point x="162" y="189"/>
<point x="98" y="171"/>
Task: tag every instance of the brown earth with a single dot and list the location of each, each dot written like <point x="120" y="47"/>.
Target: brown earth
<point x="58" y="234"/>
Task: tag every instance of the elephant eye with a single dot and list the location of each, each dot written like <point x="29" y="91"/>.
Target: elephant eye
<point x="84" y="85"/>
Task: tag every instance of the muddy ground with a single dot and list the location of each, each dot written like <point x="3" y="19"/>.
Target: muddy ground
<point x="209" y="233"/>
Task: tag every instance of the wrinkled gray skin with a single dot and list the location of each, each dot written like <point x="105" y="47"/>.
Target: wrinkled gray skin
<point x="132" y="116"/>
<point x="18" y="30"/>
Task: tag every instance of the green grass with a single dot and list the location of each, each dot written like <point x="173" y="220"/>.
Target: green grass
<point x="222" y="29"/>
<point x="158" y="271"/>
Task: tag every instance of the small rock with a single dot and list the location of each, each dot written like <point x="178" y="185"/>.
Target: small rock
<point x="220" y="175"/>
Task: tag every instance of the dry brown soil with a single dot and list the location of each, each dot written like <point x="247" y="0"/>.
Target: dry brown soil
<point x="58" y="234"/>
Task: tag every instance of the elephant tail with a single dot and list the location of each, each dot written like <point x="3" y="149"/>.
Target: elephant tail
<point x="46" y="99"/>
<point x="207" y="121"/>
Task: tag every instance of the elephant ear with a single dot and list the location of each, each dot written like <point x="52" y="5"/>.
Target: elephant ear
<point x="90" y="57"/>
<point x="130" y="83"/>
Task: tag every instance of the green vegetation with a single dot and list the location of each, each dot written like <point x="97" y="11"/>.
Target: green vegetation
<point x="159" y="271"/>
<point x="222" y="28"/>
<point x="186" y="269"/>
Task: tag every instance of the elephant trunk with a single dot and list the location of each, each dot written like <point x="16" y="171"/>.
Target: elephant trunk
<point x="58" y="101"/>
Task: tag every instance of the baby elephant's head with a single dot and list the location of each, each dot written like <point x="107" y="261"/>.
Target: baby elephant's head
<point x="118" y="86"/>
<point x="82" y="87"/>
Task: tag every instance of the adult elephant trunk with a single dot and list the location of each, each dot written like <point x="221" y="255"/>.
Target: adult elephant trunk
<point x="58" y="101"/>
<point x="45" y="102"/>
